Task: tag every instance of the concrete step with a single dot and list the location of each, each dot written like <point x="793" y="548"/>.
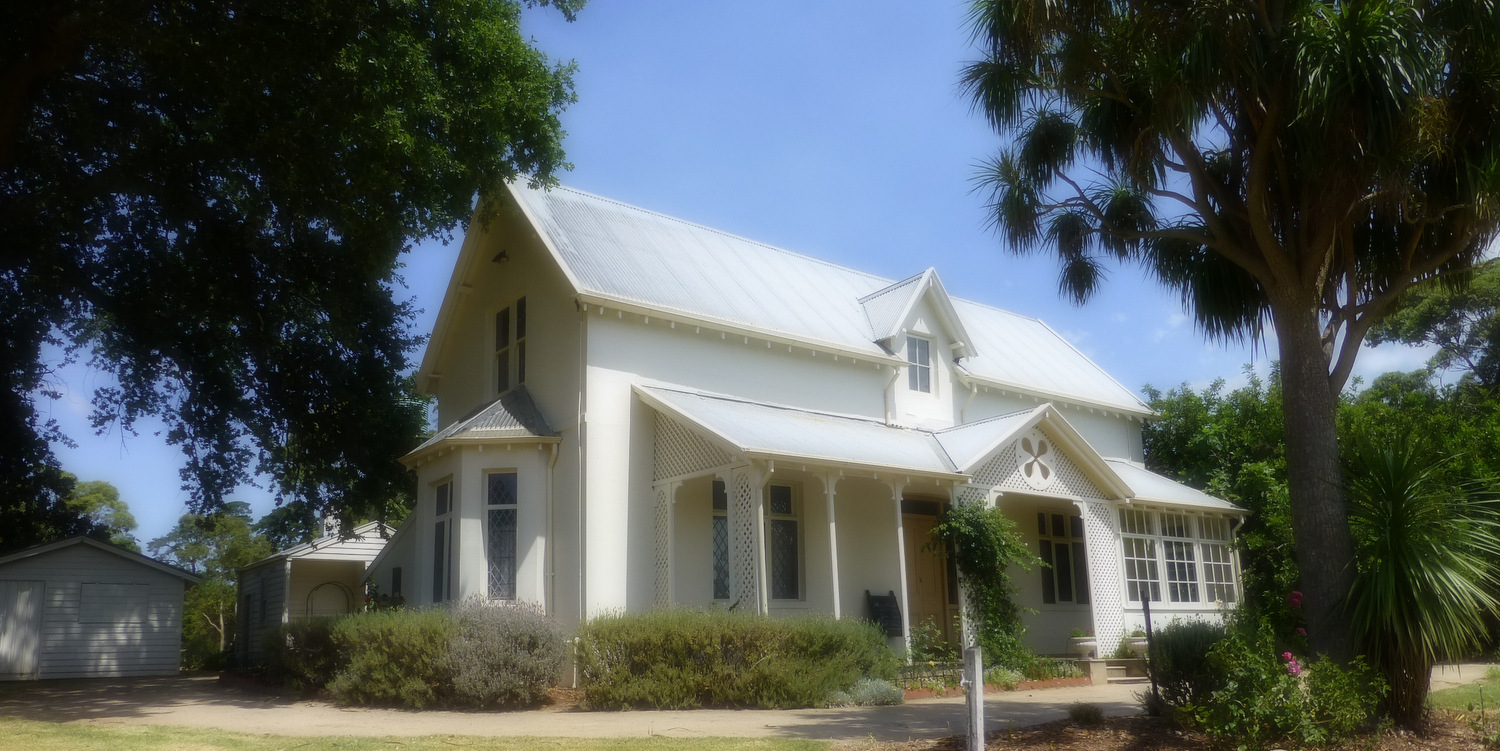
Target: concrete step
<point x="1128" y="679"/>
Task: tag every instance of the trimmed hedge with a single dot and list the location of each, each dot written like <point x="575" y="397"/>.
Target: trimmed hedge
<point x="675" y="659"/>
<point x="474" y="655"/>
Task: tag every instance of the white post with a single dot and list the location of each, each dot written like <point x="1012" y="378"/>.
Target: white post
<point x="762" y="480"/>
<point x="830" y="481"/>
<point x="896" y="491"/>
<point x="974" y="677"/>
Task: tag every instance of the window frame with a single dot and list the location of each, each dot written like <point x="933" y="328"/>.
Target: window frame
<point x="716" y="490"/>
<point x="919" y="364"/>
<point x="1183" y="530"/>
<point x="490" y="509"/>
<point x="799" y="529"/>
<point x="442" y="527"/>
<point x="1048" y="542"/>
<point x="509" y="326"/>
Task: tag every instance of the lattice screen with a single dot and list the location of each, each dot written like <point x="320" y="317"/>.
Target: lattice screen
<point x="744" y="541"/>
<point x="1001" y="471"/>
<point x="964" y="495"/>
<point x="1102" y="534"/>
<point x="680" y="451"/>
<point x="664" y="495"/>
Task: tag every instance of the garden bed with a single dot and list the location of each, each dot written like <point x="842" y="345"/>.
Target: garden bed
<point x="992" y="688"/>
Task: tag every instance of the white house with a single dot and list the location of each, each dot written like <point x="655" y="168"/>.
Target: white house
<point x="640" y="412"/>
<point x="80" y="608"/>
<point x="320" y="578"/>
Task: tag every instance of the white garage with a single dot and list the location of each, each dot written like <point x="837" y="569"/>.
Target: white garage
<point x="80" y="608"/>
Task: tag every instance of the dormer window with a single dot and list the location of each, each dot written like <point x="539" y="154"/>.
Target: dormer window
<point x="510" y="346"/>
<point x="919" y="370"/>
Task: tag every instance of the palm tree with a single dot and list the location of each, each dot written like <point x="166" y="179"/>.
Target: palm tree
<point x="1429" y="568"/>
<point x="1294" y="163"/>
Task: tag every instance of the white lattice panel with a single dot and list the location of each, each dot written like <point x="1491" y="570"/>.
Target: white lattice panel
<point x="744" y="541"/>
<point x="664" y="545"/>
<point x="1002" y="471"/>
<point x="964" y="495"/>
<point x="681" y="452"/>
<point x="1102" y="534"/>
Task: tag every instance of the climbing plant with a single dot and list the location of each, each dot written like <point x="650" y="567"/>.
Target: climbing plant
<point x="984" y="544"/>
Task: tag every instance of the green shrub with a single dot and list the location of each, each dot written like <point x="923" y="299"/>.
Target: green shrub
<point x="1003" y="677"/>
<point x="1179" y="661"/>
<point x="1267" y="698"/>
<point x="1085" y="715"/>
<point x="928" y="644"/>
<point x="673" y="659"/>
<point x="393" y="657"/>
<point x="1048" y="668"/>
<point x="868" y="692"/>
<point x="302" y="655"/>
<point x="502" y="656"/>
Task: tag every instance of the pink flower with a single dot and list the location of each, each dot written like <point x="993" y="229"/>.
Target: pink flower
<point x="1301" y="631"/>
<point x="1294" y="599"/>
<point x="1294" y="668"/>
<point x="1287" y="656"/>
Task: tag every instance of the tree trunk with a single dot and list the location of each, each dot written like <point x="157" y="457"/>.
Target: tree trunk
<point x="1320" y="517"/>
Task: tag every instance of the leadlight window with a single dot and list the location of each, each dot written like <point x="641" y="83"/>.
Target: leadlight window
<point x="784" y="548"/>
<point x="1061" y="546"/>
<point x="442" y="538"/>
<point x="919" y="372"/>
<point x="500" y="520"/>
<point x="721" y="541"/>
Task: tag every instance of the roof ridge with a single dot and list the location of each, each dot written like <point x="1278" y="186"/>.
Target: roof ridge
<point x="889" y="288"/>
<point x="723" y="233"/>
<point x="991" y="418"/>
<point x="774" y="405"/>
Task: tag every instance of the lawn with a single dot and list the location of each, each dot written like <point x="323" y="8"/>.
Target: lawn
<point x="48" y="736"/>
<point x="1467" y="698"/>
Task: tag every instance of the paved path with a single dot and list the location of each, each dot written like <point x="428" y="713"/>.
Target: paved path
<point x="1448" y="676"/>
<point x="203" y="702"/>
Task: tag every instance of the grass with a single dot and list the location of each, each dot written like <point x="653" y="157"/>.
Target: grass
<point x="48" y="736"/>
<point x="1466" y="698"/>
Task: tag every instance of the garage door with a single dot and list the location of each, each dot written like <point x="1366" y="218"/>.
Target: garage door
<point x="20" y="628"/>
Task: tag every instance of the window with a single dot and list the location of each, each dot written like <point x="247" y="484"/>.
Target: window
<point x="919" y="374"/>
<point x="721" y="541"/>
<point x="1193" y="551"/>
<point x="510" y="346"/>
<point x="1141" y="573"/>
<point x="1061" y="546"/>
<point x="395" y="581"/>
<point x="784" y="548"/>
<point x="442" y="538"/>
<point x="500" y="520"/>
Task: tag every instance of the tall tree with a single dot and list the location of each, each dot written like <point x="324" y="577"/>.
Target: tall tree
<point x="1292" y="163"/>
<point x="1463" y="321"/>
<point x="99" y="502"/>
<point x="215" y="546"/>
<point x="209" y="200"/>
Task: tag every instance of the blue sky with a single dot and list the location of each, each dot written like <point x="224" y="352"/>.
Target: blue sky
<point x="834" y="129"/>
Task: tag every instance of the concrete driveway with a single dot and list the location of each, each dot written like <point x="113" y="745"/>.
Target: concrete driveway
<point x="203" y="702"/>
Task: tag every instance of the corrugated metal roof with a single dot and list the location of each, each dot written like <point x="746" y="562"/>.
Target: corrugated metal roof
<point x="882" y="308"/>
<point x="967" y="444"/>
<point x="758" y="428"/>
<point x="617" y="251"/>
<point x="1149" y="486"/>
<point x="513" y="414"/>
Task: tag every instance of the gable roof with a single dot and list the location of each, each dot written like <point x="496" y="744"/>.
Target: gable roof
<point x="129" y="555"/>
<point x="512" y="416"/>
<point x="328" y="542"/>
<point x="888" y="310"/>
<point x="629" y="258"/>
<point x="1152" y="487"/>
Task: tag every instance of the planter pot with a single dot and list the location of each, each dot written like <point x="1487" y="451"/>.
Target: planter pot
<point x="1136" y="645"/>
<point x="1083" y="646"/>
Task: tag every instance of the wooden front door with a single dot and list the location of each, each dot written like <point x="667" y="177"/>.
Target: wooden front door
<point x="926" y="576"/>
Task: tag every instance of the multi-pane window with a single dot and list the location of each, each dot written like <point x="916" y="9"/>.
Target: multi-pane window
<point x="783" y="548"/>
<point x="510" y="346"/>
<point x="442" y="539"/>
<point x="1177" y="548"/>
<point x="1218" y="566"/>
<point x="1061" y="546"/>
<point x="721" y="541"/>
<point x="500" y="522"/>
<point x="1191" y="553"/>
<point x="1141" y="573"/>
<point x="919" y="368"/>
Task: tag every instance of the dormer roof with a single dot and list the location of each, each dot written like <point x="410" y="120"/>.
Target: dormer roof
<point x="889" y="311"/>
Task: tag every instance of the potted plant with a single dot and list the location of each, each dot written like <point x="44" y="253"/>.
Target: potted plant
<point x="1081" y="642"/>
<point x="1135" y="641"/>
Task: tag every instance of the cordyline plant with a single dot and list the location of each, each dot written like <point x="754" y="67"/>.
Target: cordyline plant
<point x="1292" y="164"/>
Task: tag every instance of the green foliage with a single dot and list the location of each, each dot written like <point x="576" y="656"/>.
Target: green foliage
<point x="100" y="503"/>
<point x="1429" y="568"/>
<point x="1179" y="661"/>
<point x="1006" y="678"/>
<point x="292" y="523"/>
<point x="215" y="546"/>
<point x="674" y="659"/>
<point x="1049" y="668"/>
<point x="868" y="692"/>
<point x="1462" y="319"/>
<point x="1263" y="701"/>
<point x="1085" y="715"/>
<point x="985" y="544"/>
<point x="210" y="204"/>
<point x="503" y="656"/>
<point x="393" y="657"/>
<point x="929" y="646"/>
<point x="302" y="655"/>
